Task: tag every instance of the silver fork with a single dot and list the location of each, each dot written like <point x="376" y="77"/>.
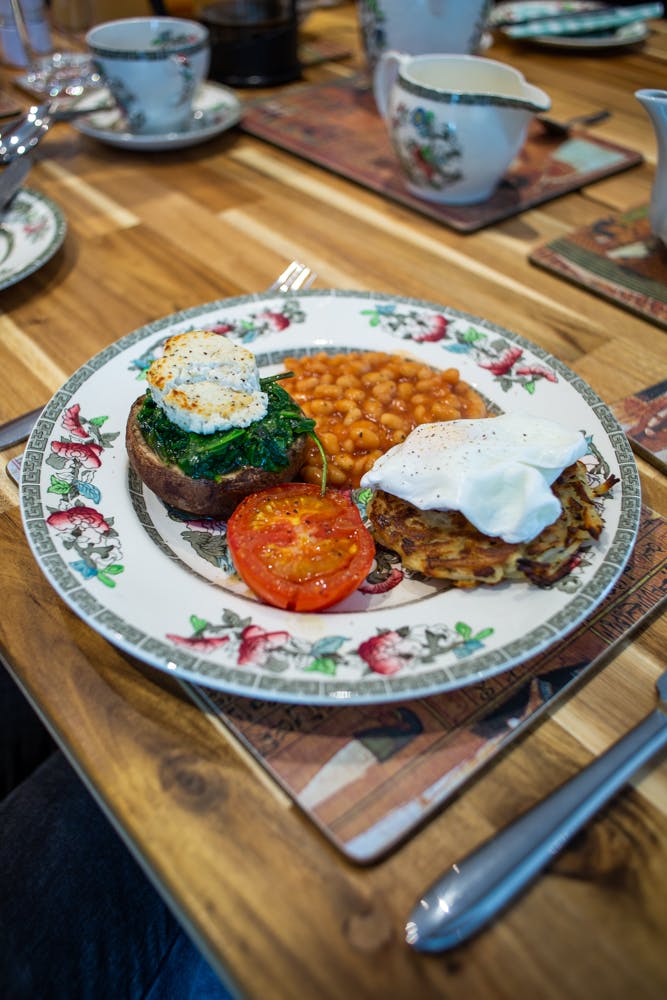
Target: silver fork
<point x="295" y="277"/>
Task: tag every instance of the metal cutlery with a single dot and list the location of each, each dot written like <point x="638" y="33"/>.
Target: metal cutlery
<point x="11" y="179"/>
<point x="555" y="126"/>
<point x="475" y="890"/>
<point x="17" y="430"/>
<point x="22" y="136"/>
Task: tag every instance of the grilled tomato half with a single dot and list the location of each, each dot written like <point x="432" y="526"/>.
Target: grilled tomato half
<point x="298" y="548"/>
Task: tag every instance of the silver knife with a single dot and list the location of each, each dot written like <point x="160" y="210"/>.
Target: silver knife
<point x="475" y="890"/>
<point x="18" y="429"/>
<point x="12" y="178"/>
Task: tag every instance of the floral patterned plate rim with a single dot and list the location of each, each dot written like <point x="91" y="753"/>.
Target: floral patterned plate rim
<point x="161" y="586"/>
<point x="31" y="231"/>
<point x="215" y="109"/>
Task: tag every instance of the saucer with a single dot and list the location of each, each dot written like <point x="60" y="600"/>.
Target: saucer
<point x="215" y="109"/>
<point x="31" y="230"/>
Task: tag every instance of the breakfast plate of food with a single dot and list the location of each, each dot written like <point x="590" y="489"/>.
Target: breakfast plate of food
<point x="329" y="497"/>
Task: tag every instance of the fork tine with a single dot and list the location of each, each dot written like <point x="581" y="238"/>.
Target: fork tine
<point x="303" y="280"/>
<point x="294" y="276"/>
<point x="285" y="279"/>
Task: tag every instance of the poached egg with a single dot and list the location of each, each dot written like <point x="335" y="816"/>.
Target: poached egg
<point x="496" y="471"/>
<point x="205" y="383"/>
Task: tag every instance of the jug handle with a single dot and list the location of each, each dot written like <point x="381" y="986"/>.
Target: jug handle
<point x="384" y="78"/>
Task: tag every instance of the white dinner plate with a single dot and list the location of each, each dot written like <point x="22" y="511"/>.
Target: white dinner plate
<point x="160" y="586"/>
<point x="31" y="231"/>
<point x="215" y="109"/>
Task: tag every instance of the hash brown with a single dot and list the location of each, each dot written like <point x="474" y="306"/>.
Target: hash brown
<point x="445" y="545"/>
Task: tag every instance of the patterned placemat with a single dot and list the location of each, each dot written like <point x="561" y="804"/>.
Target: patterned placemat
<point x="337" y="126"/>
<point x="368" y="776"/>
<point x="643" y="417"/>
<point x="618" y="258"/>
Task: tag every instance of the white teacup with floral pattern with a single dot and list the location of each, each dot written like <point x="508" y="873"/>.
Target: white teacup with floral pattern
<point x="153" y="67"/>
<point x="456" y="121"/>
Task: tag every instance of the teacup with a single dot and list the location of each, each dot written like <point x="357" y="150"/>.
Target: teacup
<point x="153" y="67"/>
<point x="456" y="121"/>
<point x="418" y="27"/>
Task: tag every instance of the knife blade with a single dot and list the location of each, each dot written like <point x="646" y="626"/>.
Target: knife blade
<point x="18" y="429"/>
<point x="12" y="178"/>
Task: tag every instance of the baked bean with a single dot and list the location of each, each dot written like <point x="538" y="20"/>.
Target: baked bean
<point x="347" y="381"/>
<point x="352" y="415"/>
<point x="392" y="420"/>
<point x="373" y="408"/>
<point x="324" y="391"/>
<point x="322" y="407"/>
<point x="329" y="442"/>
<point x="384" y="391"/>
<point x="364" y="402"/>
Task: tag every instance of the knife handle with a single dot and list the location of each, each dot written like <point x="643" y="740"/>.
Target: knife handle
<point x="474" y="891"/>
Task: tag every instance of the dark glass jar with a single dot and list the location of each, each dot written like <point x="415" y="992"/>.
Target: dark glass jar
<point x="254" y="43"/>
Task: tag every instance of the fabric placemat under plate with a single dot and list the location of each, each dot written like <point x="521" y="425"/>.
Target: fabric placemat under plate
<point x="336" y="125"/>
<point x="618" y="258"/>
<point x="368" y="776"/>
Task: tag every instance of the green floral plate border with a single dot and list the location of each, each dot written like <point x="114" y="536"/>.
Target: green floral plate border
<point x="162" y="587"/>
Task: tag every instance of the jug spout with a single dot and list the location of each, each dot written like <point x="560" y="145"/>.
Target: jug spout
<point x="655" y="104"/>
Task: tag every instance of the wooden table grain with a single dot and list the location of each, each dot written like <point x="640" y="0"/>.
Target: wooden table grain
<point x="273" y="905"/>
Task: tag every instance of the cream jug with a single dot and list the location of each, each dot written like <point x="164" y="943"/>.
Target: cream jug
<point x="655" y="103"/>
<point x="456" y="121"/>
<point x="419" y="26"/>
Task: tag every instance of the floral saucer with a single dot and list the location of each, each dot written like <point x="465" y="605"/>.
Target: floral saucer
<point x="215" y="109"/>
<point x="31" y="231"/>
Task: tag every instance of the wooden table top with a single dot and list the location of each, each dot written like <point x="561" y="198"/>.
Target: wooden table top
<point x="265" y="895"/>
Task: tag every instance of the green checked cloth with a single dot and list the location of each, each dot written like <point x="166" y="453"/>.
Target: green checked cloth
<point x="585" y="22"/>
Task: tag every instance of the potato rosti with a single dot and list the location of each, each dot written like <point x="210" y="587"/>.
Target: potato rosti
<point x="445" y="545"/>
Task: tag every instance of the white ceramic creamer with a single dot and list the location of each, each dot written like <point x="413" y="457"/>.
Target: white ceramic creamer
<point x="419" y="26"/>
<point x="655" y="103"/>
<point x="456" y="121"/>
